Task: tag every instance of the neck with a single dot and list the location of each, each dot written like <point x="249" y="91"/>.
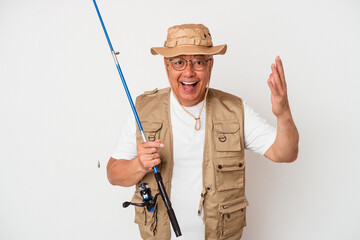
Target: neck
<point x="191" y="103"/>
<point x="197" y="119"/>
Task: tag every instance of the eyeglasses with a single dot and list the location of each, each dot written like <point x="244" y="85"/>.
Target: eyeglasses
<point x="180" y="64"/>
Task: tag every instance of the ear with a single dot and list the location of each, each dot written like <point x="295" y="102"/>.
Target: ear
<point x="212" y="63"/>
<point x="166" y="62"/>
<point x="210" y="67"/>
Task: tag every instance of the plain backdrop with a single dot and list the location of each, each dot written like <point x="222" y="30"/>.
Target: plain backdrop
<point x="62" y="107"/>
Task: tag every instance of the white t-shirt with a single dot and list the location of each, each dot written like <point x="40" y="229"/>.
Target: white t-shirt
<point x="188" y="145"/>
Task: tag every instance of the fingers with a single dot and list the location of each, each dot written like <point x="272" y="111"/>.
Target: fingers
<point x="277" y="84"/>
<point x="273" y="87"/>
<point x="146" y="150"/>
<point x="152" y="156"/>
<point x="280" y="68"/>
<point x="276" y="78"/>
<point x="147" y="166"/>
<point x="148" y="154"/>
<point x="155" y="144"/>
<point x="149" y="147"/>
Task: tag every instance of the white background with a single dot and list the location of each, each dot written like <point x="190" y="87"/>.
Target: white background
<point x="62" y="106"/>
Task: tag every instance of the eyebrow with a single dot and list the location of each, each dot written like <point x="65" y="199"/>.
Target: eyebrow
<point x="195" y="57"/>
<point x="192" y="55"/>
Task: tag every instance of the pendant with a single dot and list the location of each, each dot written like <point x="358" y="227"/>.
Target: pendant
<point x="197" y="124"/>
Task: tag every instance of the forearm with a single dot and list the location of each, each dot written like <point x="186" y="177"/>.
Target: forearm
<point x="124" y="172"/>
<point x="285" y="146"/>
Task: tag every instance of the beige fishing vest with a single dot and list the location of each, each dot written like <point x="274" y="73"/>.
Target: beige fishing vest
<point x="223" y="198"/>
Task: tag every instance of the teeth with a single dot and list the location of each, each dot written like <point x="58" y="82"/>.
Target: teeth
<point x="188" y="83"/>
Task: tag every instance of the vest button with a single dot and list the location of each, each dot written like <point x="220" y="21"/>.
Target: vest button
<point x="208" y="188"/>
<point x="240" y="165"/>
<point x="228" y="215"/>
<point x="220" y="166"/>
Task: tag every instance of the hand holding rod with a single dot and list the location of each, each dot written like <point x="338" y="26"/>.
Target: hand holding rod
<point x="158" y="177"/>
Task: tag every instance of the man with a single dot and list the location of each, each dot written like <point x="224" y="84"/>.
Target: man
<point x="197" y="137"/>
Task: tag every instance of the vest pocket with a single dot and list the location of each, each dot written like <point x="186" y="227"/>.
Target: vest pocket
<point x="232" y="217"/>
<point x="152" y="130"/>
<point x="147" y="221"/>
<point x="229" y="173"/>
<point x="227" y="135"/>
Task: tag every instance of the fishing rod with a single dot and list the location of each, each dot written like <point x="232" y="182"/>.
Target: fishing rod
<point x="157" y="174"/>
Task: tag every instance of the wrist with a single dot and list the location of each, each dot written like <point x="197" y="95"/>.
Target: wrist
<point x="284" y="117"/>
<point x="139" y="167"/>
<point x="285" y="122"/>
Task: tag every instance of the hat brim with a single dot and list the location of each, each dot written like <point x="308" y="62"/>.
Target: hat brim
<point x="189" y="50"/>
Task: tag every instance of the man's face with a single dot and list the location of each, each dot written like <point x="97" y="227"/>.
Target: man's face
<point x="189" y="85"/>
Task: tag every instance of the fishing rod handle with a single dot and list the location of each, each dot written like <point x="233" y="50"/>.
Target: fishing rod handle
<point x="174" y="222"/>
<point x="167" y="202"/>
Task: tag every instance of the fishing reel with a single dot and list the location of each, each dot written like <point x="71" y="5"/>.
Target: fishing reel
<point x="148" y="200"/>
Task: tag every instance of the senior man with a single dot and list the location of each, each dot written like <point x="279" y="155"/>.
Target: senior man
<point x="197" y="137"/>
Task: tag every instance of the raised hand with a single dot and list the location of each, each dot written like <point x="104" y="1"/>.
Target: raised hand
<point x="277" y="84"/>
<point x="285" y="146"/>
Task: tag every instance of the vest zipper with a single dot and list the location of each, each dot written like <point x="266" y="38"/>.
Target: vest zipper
<point x="234" y="204"/>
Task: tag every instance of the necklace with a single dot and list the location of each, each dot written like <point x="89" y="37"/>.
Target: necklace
<point x="197" y="119"/>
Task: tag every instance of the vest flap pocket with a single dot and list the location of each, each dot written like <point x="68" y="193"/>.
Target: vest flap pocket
<point x="152" y="130"/>
<point x="233" y="206"/>
<point x="226" y="126"/>
<point x="232" y="217"/>
<point x="229" y="173"/>
<point x="229" y="164"/>
<point x="227" y="135"/>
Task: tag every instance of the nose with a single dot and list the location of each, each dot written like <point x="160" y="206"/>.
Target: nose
<point x="189" y="70"/>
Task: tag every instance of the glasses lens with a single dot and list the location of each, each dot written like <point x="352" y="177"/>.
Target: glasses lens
<point x="180" y="64"/>
<point x="198" y="64"/>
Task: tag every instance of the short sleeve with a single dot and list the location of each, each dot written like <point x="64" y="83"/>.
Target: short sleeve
<point x="259" y="134"/>
<point x="126" y="147"/>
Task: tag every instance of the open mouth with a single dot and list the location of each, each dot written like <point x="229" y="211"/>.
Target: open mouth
<point x="189" y="84"/>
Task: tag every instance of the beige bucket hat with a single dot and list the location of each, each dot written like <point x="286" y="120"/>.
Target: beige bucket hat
<point x="188" y="39"/>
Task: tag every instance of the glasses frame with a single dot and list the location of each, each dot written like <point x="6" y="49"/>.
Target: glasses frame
<point x="192" y="63"/>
